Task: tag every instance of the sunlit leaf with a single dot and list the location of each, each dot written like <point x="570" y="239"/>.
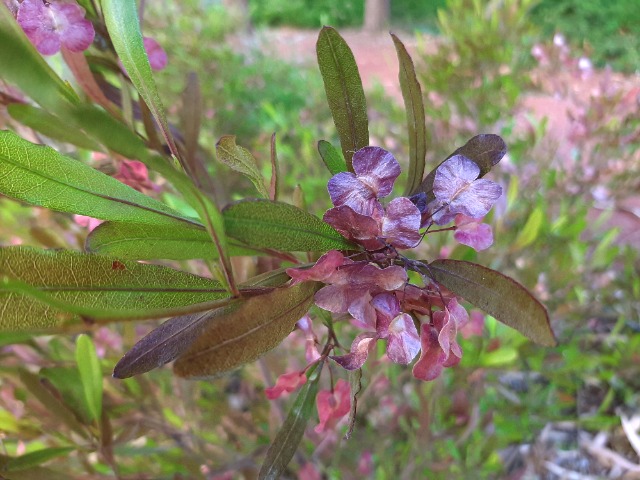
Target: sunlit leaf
<point x="485" y="150"/>
<point x="146" y="242"/>
<point x="50" y="126"/>
<point x="258" y="325"/>
<point x="33" y="459"/>
<point x="331" y="157"/>
<point x="345" y="94"/>
<point x="498" y="295"/>
<point x="286" y="443"/>
<point x="240" y="159"/>
<point x="280" y="226"/>
<point x="39" y="175"/>
<point x="121" y="18"/>
<point x="90" y="374"/>
<point x="414" y="106"/>
<point x="531" y="229"/>
<point x="39" y="285"/>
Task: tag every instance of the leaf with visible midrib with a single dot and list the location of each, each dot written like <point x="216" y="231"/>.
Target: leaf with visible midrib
<point x="39" y="175"/>
<point x="280" y="226"/>
<point x="414" y="106"/>
<point x="286" y="443"/>
<point x="345" y="94"/>
<point x="486" y="150"/>
<point x="242" y="336"/>
<point x="331" y="157"/>
<point x="240" y="159"/>
<point x="39" y="286"/>
<point x="498" y="295"/>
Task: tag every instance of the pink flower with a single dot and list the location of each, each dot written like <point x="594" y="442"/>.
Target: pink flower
<point x="286" y="383"/>
<point x="157" y="56"/>
<point x="55" y="24"/>
<point x="134" y="174"/>
<point x="309" y="472"/>
<point x="88" y="222"/>
<point x="365" y="464"/>
<point x="473" y="233"/>
<point x="333" y="405"/>
<point x="311" y="351"/>
<point x="458" y="189"/>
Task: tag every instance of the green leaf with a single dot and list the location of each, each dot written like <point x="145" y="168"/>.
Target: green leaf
<point x="66" y="383"/>
<point x="331" y="157"/>
<point x="90" y="375"/>
<point x="147" y="242"/>
<point x="38" y="286"/>
<point x="39" y="175"/>
<point x="286" y="443"/>
<point x="33" y="459"/>
<point x="412" y="96"/>
<point x="280" y="226"/>
<point x="531" y="229"/>
<point x="345" y="94"/>
<point x="498" y="295"/>
<point x="123" y="25"/>
<point x="22" y="66"/>
<point x="51" y="126"/>
<point x="485" y="150"/>
<point x="52" y="403"/>
<point x="240" y="159"/>
<point x="258" y="325"/>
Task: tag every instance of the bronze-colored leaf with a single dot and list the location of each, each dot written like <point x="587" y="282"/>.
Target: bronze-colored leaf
<point x="498" y="295"/>
<point x="257" y="326"/>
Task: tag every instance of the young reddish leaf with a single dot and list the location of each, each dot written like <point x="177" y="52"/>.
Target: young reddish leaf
<point x="51" y="126"/>
<point x="274" y="184"/>
<point x="331" y="157"/>
<point x="41" y="176"/>
<point x="121" y="18"/>
<point x="258" y="325"/>
<point x="167" y="342"/>
<point x="355" y="383"/>
<point x="286" y="443"/>
<point x="485" y="150"/>
<point x="240" y="159"/>
<point x="345" y="94"/>
<point x="147" y="242"/>
<point x="412" y="96"/>
<point x="191" y="119"/>
<point x="280" y="226"/>
<point x="498" y="295"/>
<point x="39" y="285"/>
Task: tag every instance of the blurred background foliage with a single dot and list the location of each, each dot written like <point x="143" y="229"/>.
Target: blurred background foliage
<point x="565" y="229"/>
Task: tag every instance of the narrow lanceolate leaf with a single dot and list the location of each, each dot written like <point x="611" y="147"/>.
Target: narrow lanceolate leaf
<point x="412" y="96"/>
<point x="240" y="159"/>
<point x="22" y="66"/>
<point x="485" y="150"/>
<point x="258" y="325"/>
<point x="90" y="375"/>
<point x="34" y="459"/>
<point x="121" y="17"/>
<point x="331" y="157"/>
<point x="190" y="121"/>
<point x="39" y="175"/>
<point x="176" y="335"/>
<point x="345" y="94"/>
<point x="51" y="126"/>
<point x="168" y="342"/>
<point x="38" y="286"/>
<point x="286" y="443"/>
<point x="498" y="295"/>
<point x="148" y="242"/>
<point x="280" y="226"/>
